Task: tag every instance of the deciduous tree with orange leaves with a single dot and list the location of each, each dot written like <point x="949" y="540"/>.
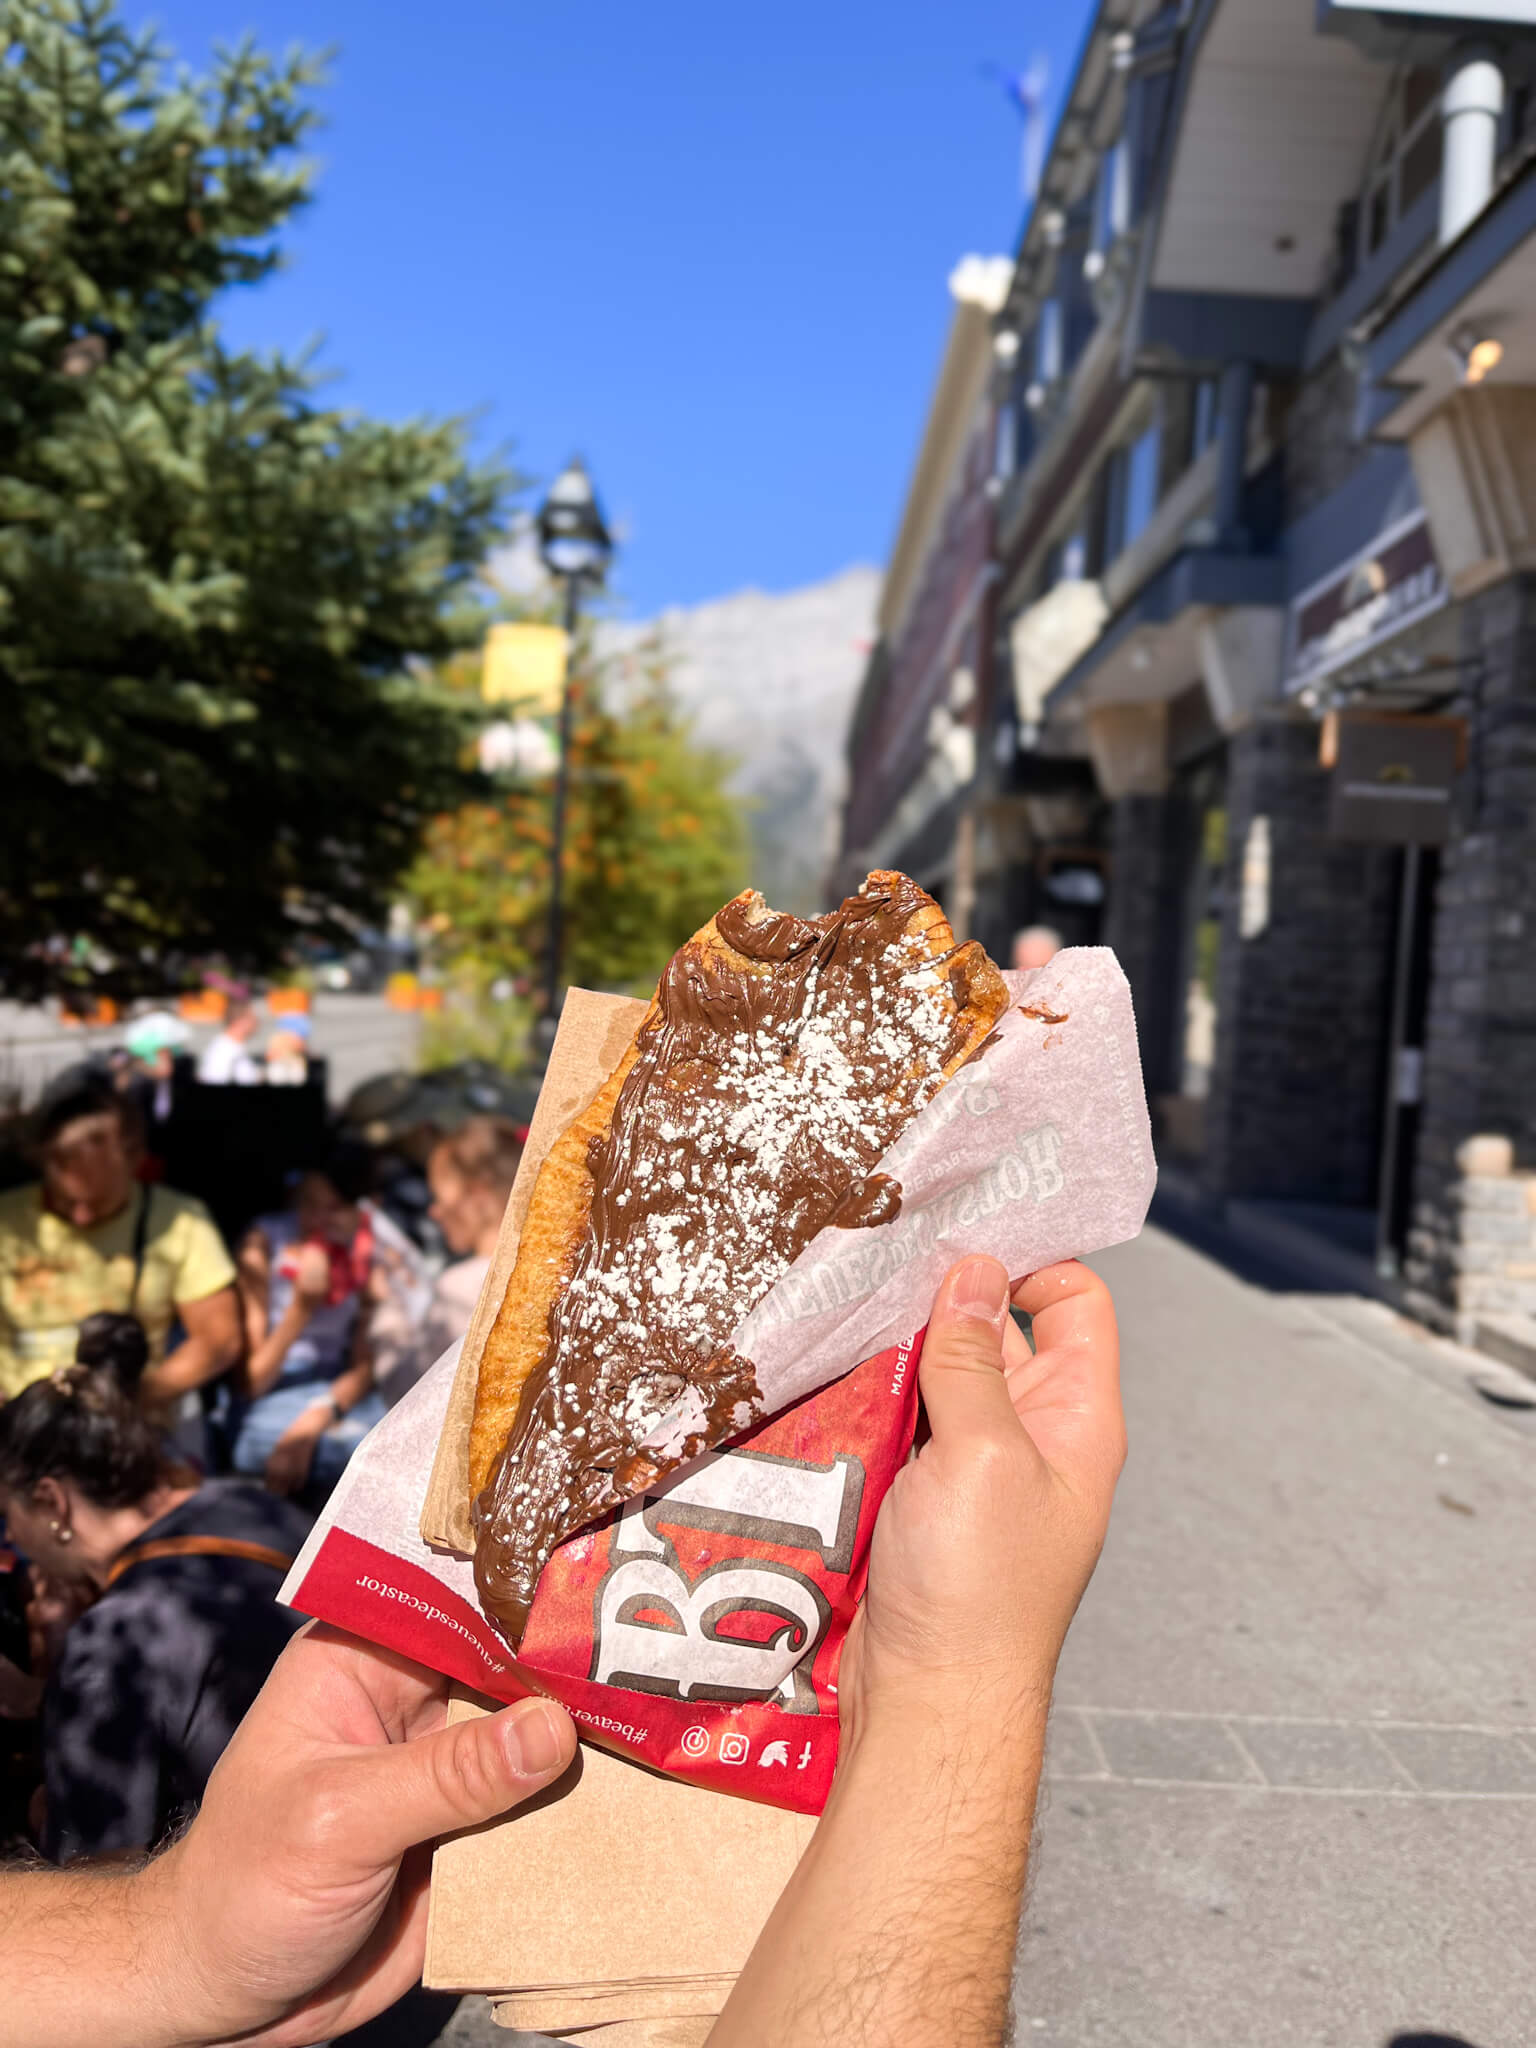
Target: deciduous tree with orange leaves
<point x="654" y="845"/>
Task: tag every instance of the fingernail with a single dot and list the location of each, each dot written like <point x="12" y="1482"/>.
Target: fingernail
<point x="537" y="1741"/>
<point x="980" y="1289"/>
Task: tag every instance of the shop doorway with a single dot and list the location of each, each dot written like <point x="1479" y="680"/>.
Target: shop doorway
<point x="1408" y="1009"/>
<point x="1200" y="806"/>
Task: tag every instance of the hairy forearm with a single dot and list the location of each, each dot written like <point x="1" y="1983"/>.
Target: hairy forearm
<point x="93" y="1956"/>
<point x="898" y="1928"/>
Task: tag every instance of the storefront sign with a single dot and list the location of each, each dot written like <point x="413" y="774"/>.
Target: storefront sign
<point x="1393" y="779"/>
<point x="1390" y="586"/>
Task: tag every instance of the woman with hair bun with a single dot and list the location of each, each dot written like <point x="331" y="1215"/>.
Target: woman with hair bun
<point x="115" y="1345"/>
<point x="152" y="1679"/>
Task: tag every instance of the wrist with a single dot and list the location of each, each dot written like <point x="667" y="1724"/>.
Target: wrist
<point x="176" y="2002"/>
<point x="991" y="1725"/>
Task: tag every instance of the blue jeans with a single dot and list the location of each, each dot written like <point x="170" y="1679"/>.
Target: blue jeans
<point x="267" y="1417"/>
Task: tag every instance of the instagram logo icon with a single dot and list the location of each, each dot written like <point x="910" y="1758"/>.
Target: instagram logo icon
<point x="734" y="1749"/>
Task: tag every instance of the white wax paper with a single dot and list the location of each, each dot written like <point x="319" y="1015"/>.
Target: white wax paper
<point x="1039" y="1150"/>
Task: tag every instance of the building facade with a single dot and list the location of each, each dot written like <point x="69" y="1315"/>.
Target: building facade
<point x="1257" y="703"/>
<point x="912" y="738"/>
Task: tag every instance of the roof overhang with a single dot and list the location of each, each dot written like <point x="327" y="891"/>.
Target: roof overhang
<point x="1151" y="650"/>
<point x="1482" y="287"/>
<point x="1271" y="134"/>
<point x="1418" y="31"/>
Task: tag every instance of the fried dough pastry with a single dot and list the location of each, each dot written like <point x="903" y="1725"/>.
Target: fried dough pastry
<point x="778" y="1062"/>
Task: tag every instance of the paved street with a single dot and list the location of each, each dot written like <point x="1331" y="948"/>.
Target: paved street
<point x="1291" y="1796"/>
<point x="1292" y="1791"/>
<point x="358" y="1035"/>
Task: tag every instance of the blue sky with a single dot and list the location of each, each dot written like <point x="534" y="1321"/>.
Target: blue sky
<point x="705" y="245"/>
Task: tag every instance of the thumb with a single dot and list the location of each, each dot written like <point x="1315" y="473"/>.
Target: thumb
<point x="462" y="1775"/>
<point x="961" y="1373"/>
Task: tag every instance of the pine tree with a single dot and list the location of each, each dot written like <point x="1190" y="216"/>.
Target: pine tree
<point x="218" y="597"/>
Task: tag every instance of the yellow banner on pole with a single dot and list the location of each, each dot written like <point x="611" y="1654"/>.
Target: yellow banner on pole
<point x="524" y="664"/>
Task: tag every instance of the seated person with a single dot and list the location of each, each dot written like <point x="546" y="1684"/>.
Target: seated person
<point x="89" y="1237"/>
<point x="471" y="1172"/>
<point x="287" y="1054"/>
<point x="309" y="1397"/>
<point x="227" y="1060"/>
<point x="146" y="1070"/>
<point x="292" y="1909"/>
<point x="152" y="1679"/>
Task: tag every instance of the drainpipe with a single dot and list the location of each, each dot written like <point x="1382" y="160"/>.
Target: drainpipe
<point x="1234" y="408"/>
<point x="1470" y="107"/>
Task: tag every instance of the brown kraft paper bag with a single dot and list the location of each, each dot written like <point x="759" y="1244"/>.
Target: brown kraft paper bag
<point x="526" y="1909"/>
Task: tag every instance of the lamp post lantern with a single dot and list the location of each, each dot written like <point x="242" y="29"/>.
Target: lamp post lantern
<point x="575" y="545"/>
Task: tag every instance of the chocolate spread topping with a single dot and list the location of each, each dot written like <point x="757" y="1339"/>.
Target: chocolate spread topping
<point x="761" y="1100"/>
<point x="875" y="1200"/>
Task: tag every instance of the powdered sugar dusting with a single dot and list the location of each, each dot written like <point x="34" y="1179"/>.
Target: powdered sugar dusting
<point x="761" y="1097"/>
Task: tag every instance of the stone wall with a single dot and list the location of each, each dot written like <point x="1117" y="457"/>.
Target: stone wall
<point x="1321" y="451"/>
<point x="1149" y="853"/>
<point x="1489" y="1250"/>
<point x="1302" y="998"/>
<point x="1480" y="1044"/>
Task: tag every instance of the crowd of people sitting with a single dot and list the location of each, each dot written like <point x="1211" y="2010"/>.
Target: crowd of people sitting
<point x="174" y="1411"/>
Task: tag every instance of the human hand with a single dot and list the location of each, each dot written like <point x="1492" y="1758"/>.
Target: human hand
<point x="986" y="1541"/>
<point x="292" y="1456"/>
<point x="253" y="1261"/>
<point x="295" y="1907"/>
<point x="980" y="1554"/>
<point x="312" y="1276"/>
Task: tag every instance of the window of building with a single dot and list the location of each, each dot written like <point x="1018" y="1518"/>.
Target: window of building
<point x="1190" y="416"/>
<point x="1518" y="115"/>
<point x="1005" y="444"/>
<point x="1206" y="418"/>
<point x="1142" y="465"/>
<point x="1405" y="161"/>
<point x="1134" y="489"/>
<point x="1066" y="561"/>
<point x="1073" y="566"/>
<point x="1047" y="363"/>
<point x="1111" y="205"/>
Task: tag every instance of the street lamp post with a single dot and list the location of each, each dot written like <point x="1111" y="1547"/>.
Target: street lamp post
<point x="574" y="544"/>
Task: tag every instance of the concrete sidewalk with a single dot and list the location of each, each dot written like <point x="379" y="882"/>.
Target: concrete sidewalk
<point x="1292" y="1775"/>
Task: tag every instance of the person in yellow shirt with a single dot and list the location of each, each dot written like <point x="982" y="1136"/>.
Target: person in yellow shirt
<point x="88" y="1237"/>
